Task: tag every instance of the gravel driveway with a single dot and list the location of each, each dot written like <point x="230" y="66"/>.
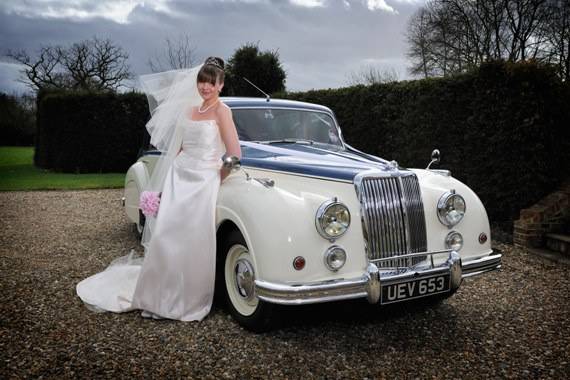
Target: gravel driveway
<point x="508" y="324"/>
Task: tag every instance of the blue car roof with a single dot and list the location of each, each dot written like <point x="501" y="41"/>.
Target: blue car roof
<point x="238" y="102"/>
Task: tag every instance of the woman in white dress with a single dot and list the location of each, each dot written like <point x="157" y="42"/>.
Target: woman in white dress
<point x="177" y="276"/>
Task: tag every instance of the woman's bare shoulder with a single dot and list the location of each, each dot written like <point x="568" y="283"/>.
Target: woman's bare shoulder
<point x="223" y="111"/>
<point x="223" y="108"/>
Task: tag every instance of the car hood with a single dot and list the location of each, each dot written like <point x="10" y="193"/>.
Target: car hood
<point x="311" y="160"/>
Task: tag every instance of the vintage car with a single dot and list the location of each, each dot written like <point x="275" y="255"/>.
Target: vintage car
<point x="306" y="218"/>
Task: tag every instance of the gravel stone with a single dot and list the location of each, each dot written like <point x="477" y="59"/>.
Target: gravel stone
<point x="509" y="324"/>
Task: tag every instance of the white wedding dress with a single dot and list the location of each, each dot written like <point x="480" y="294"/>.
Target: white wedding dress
<point x="176" y="277"/>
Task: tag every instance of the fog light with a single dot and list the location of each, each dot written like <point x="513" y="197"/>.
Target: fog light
<point x="482" y="238"/>
<point x="299" y="262"/>
<point x="335" y="257"/>
<point x="454" y="241"/>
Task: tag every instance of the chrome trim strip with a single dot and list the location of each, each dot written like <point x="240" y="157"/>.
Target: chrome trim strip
<point x="311" y="293"/>
<point x="295" y="174"/>
<point x="482" y="265"/>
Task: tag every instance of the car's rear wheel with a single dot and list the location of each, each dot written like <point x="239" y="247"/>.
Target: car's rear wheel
<point x="236" y="273"/>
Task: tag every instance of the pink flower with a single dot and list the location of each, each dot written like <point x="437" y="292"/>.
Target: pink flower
<point x="149" y="202"/>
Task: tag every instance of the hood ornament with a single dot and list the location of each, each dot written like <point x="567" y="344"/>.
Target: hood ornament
<point x="393" y="165"/>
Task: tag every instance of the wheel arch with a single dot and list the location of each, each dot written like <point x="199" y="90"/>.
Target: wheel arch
<point x="229" y="221"/>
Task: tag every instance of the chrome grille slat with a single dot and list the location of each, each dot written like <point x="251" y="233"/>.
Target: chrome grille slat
<point x="373" y="222"/>
<point x="417" y="223"/>
<point x="383" y="210"/>
<point x="393" y="219"/>
<point x="393" y="216"/>
<point x="397" y="219"/>
<point x="378" y="211"/>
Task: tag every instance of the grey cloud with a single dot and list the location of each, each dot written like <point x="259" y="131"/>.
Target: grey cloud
<point x="318" y="46"/>
<point x="9" y="71"/>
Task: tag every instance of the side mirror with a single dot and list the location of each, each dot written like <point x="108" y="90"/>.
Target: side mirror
<point x="232" y="163"/>
<point x="435" y="157"/>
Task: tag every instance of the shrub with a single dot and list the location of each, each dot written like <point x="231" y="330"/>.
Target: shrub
<point x="89" y="132"/>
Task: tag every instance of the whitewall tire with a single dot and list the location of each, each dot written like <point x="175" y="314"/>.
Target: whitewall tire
<point x="235" y="278"/>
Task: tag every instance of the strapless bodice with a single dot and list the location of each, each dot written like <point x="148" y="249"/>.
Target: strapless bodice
<point x="202" y="145"/>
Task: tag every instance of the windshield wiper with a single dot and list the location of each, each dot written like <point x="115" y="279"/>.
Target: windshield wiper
<point x="286" y="141"/>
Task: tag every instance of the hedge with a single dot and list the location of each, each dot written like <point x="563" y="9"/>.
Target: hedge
<point x="502" y="129"/>
<point x="89" y="132"/>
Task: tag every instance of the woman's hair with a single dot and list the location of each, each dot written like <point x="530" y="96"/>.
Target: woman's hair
<point x="212" y="70"/>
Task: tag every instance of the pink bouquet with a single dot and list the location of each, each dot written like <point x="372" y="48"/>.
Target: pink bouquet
<point x="149" y="202"/>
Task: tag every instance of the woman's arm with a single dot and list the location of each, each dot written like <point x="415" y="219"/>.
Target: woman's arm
<point x="229" y="135"/>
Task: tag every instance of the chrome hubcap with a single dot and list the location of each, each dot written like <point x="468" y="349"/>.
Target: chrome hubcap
<point x="244" y="279"/>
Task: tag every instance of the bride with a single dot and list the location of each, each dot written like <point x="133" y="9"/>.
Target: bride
<point x="193" y="129"/>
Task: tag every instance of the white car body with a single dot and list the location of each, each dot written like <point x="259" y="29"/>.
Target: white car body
<point x="273" y="200"/>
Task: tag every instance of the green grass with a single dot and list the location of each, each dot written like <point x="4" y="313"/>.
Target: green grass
<point x="17" y="172"/>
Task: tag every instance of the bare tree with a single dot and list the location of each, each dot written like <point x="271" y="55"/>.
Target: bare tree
<point x="450" y="36"/>
<point x="524" y="18"/>
<point x="420" y="41"/>
<point x="89" y="65"/>
<point x="368" y="75"/>
<point x="557" y="35"/>
<point x="178" y="54"/>
<point x="41" y="72"/>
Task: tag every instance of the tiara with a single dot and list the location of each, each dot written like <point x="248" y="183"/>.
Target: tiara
<point x="213" y="62"/>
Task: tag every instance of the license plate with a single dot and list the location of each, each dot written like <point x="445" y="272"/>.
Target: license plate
<point x="415" y="289"/>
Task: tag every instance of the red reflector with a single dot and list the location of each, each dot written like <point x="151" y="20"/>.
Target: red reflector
<point x="299" y="262"/>
<point x="483" y="238"/>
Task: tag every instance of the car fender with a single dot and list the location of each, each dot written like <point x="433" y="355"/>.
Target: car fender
<point x="278" y="224"/>
<point x="474" y="223"/>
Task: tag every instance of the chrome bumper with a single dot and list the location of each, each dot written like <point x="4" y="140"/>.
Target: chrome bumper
<point x="370" y="284"/>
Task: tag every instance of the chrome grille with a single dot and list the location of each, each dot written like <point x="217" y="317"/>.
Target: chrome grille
<point x="394" y="221"/>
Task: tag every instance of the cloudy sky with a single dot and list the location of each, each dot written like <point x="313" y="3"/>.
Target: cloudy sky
<point x="320" y="42"/>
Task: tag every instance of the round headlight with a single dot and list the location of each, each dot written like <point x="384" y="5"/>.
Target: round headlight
<point x="450" y="209"/>
<point x="454" y="241"/>
<point x="332" y="219"/>
<point x="335" y="257"/>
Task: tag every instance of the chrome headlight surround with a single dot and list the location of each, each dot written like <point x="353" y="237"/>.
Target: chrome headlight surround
<point x="450" y="209"/>
<point x="335" y="258"/>
<point x="332" y="219"/>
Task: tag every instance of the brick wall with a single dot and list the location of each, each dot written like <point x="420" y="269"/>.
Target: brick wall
<point x="548" y="215"/>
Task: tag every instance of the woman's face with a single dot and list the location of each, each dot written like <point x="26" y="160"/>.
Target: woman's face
<point x="209" y="91"/>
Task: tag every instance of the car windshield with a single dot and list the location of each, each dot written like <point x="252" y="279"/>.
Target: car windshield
<point x="276" y="126"/>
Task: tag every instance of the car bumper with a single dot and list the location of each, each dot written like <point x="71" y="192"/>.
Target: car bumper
<point x="370" y="284"/>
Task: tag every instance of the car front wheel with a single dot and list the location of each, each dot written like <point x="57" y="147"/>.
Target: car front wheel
<point x="238" y="286"/>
